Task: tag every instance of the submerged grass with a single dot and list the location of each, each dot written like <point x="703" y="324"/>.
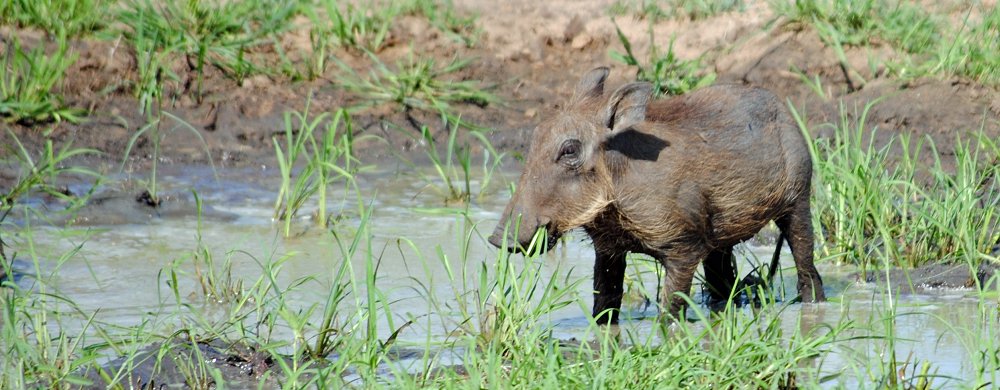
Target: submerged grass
<point x="38" y="174"/>
<point x="328" y="158"/>
<point x="454" y="169"/>
<point x="155" y="133"/>
<point x="36" y="353"/>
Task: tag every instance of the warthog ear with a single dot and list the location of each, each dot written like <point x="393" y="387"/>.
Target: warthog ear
<point x="591" y="85"/>
<point x="626" y="107"/>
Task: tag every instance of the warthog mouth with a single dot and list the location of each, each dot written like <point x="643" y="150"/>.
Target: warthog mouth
<point x="544" y="239"/>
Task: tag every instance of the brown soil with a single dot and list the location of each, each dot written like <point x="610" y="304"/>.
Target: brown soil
<point x="532" y="52"/>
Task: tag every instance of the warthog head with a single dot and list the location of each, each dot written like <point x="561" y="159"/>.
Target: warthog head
<point x="566" y="183"/>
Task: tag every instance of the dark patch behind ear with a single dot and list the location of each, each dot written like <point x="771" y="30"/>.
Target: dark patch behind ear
<point x="627" y="106"/>
<point x="591" y="85"/>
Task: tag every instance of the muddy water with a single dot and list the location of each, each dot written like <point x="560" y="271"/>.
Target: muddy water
<point x="419" y="244"/>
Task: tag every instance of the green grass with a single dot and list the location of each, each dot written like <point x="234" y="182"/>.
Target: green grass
<point x="28" y="82"/>
<point x="365" y="29"/>
<point x="37" y="354"/>
<point x="38" y="174"/>
<point x="496" y="314"/>
<point x="879" y="209"/>
<point x="361" y="29"/>
<point x="205" y="32"/>
<point x="57" y="17"/>
<point x="974" y="51"/>
<point x="655" y="10"/>
<point x="669" y="74"/>
<point x="930" y="45"/>
<point x="155" y="132"/>
<point x="418" y="83"/>
<point x="865" y="22"/>
<point x="325" y="159"/>
<point x="454" y="169"/>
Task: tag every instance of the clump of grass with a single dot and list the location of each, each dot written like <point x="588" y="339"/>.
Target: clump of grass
<point x="733" y="349"/>
<point x="876" y="211"/>
<point x="929" y="46"/>
<point x="344" y="323"/>
<point x="366" y="29"/>
<point x="361" y="29"/>
<point x="39" y="174"/>
<point x="216" y="280"/>
<point x="57" y="17"/>
<point x="206" y="32"/>
<point x="153" y="56"/>
<point x="38" y="352"/>
<point x="28" y="80"/>
<point x="515" y="300"/>
<point x="454" y="166"/>
<point x="865" y="22"/>
<point x="974" y="51"/>
<point x="842" y="24"/>
<point x="419" y="84"/>
<point x="326" y="160"/>
<point x="669" y="74"/>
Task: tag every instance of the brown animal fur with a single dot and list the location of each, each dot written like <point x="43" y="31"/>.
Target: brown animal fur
<point x="681" y="179"/>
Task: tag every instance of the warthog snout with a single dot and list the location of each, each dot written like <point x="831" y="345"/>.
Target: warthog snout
<point x="515" y="235"/>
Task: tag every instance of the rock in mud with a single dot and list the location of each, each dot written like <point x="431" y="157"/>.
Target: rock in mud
<point x="156" y="367"/>
<point x="935" y="277"/>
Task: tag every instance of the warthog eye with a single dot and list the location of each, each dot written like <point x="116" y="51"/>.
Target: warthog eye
<point x="569" y="152"/>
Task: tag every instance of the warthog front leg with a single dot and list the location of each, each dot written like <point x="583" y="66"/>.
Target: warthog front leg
<point x="609" y="275"/>
<point x="680" y="267"/>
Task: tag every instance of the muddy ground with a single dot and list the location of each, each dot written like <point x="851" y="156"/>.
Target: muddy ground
<point x="528" y="53"/>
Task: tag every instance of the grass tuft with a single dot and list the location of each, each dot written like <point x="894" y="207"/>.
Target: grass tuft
<point x="28" y="80"/>
<point x="327" y="159"/>
<point x="929" y="44"/>
<point x="419" y="84"/>
<point x="669" y="74"/>
<point x="205" y="32"/>
<point x="57" y="17"/>
<point x="877" y="211"/>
